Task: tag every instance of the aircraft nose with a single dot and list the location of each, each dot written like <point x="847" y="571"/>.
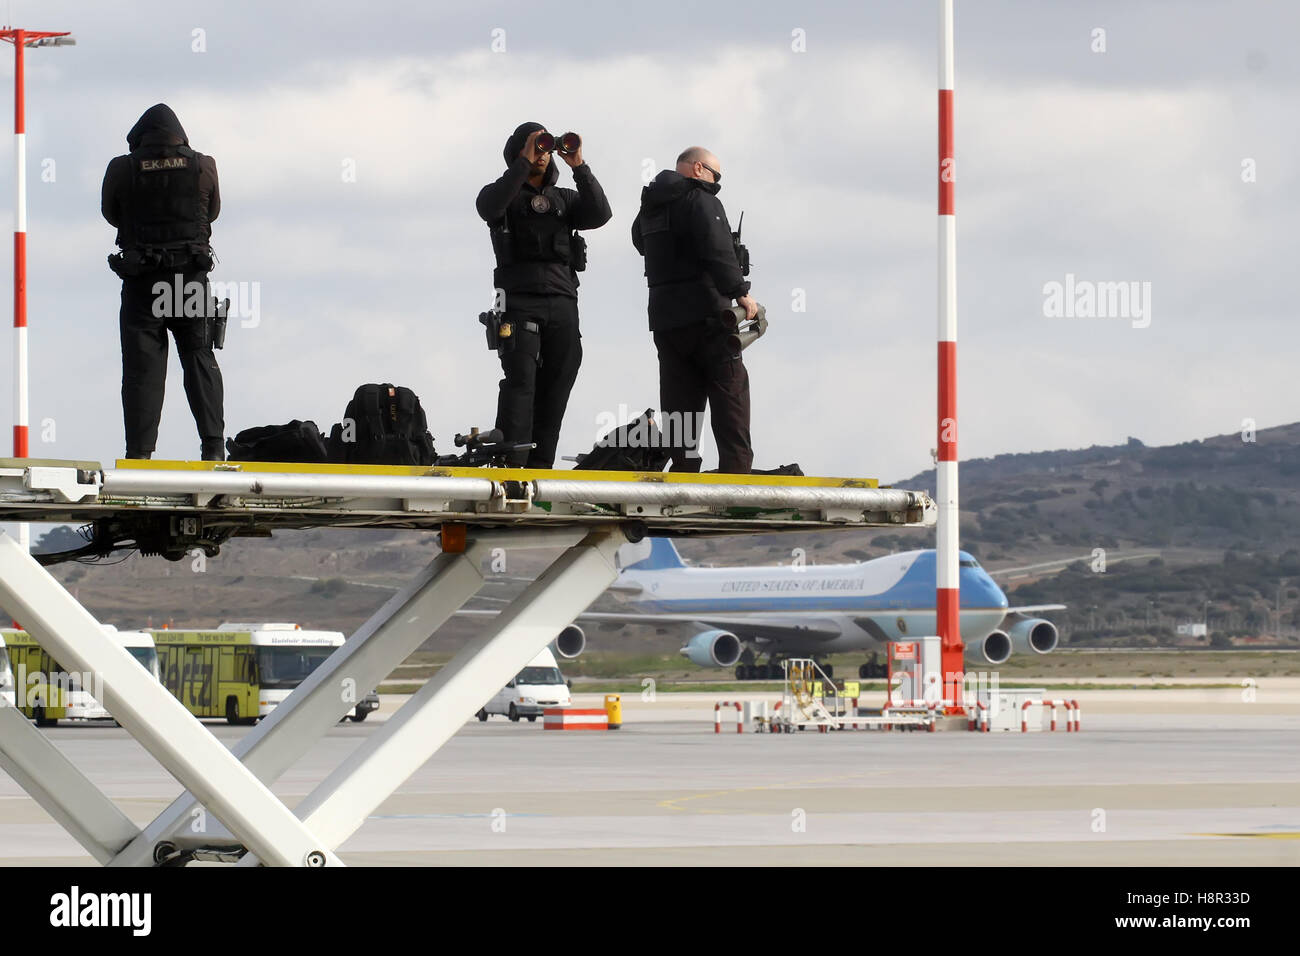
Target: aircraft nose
<point x="983" y="591"/>
<point x="996" y="597"/>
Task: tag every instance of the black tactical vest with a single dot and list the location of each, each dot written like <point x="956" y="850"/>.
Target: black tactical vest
<point x="536" y="229"/>
<point x="164" y="206"/>
<point x="670" y="254"/>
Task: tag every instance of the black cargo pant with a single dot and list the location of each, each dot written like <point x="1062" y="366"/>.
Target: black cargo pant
<point x="540" y="368"/>
<point x="698" y="366"/>
<point x="146" y="319"/>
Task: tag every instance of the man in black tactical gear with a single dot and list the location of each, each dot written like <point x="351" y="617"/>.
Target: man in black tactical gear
<point x="162" y="197"/>
<point x="538" y="255"/>
<point x="693" y="272"/>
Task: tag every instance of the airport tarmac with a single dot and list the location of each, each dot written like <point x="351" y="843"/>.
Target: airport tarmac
<point x="1157" y="777"/>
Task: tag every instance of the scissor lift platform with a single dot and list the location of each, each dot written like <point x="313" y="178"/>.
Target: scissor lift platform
<point x="172" y="507"/>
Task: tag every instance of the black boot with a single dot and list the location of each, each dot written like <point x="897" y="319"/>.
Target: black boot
<point x="213" y="450"/>
<point x="140" y="455"/>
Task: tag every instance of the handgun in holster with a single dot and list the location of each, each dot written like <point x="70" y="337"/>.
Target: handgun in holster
<point x="491" y="321"/>
<point x="219" y="324"/>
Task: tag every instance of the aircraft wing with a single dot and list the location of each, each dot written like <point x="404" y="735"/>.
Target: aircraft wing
<point x="769" y="628"/>
<point x="1033" y="608"/>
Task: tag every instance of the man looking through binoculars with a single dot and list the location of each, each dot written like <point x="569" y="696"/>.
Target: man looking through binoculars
<point x="534" y="227"/>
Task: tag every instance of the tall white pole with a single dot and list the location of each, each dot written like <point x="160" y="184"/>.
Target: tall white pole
<point x="948" y="592"/>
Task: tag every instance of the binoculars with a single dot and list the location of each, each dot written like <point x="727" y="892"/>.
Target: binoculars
<point x="743" y="332"/>
<point x="568" y="143"/>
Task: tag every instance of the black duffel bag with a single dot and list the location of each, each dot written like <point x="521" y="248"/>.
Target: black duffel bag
<point x="295" y="441"/>
<point x="636" y="446"/>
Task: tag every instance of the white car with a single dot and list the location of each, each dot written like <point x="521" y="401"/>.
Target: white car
<point x="536" y="687"/>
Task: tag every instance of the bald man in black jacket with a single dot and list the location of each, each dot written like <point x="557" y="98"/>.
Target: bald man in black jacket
<point x="693" y="274"/>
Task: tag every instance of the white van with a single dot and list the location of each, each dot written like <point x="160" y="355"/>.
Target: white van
<point x="82" y="704"/>
<point x="537" y="686"/>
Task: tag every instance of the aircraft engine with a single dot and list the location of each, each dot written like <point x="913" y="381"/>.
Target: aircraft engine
<point x="1033" y="634"/>
<point x="571" y="642"/>
<point x="713" y="649"/>
<point x="995" y="648"/>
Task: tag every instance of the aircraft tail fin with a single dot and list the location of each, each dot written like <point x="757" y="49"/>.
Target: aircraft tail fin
<point x="650" y="554"/>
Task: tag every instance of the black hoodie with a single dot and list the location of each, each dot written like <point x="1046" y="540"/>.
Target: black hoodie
<point x="508" y="201"/>
<point x="690" y="261"/>
<point x="157" y="127"/>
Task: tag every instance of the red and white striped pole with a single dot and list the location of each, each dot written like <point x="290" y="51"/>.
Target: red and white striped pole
<point x="20" y="39"/>
<point x="20" y="270"/>
<point x="948" y="592"/>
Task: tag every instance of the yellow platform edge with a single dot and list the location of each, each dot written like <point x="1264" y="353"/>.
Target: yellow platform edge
<point x="496" y="474"/>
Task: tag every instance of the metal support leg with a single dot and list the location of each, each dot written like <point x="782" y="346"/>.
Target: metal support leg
<point x="391" y="634"/>
<point x="60" y="788"/>
<point x="154" y="717"/>
<point x="341" y="803"/>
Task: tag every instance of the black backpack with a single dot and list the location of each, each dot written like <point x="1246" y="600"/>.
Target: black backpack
<point x="636" y="446"/>
<point x="387" y="427"/>
<point x="295" y="441"/>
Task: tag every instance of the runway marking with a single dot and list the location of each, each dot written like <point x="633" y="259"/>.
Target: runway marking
<point x="1285" y="835"/>
<point x="671" y="802"/>
<point x="449" y="816"/>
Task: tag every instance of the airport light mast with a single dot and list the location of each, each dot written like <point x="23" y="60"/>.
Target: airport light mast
<point x="948" y="589"/>
<point x="21" y="39"/>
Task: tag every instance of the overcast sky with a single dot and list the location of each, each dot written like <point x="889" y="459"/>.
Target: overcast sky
<point x="1122" y="165"/>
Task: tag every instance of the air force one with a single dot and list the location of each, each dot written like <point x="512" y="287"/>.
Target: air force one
<point x="743" y="614"/>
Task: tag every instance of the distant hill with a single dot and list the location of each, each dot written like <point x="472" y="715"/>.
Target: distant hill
<point x="1220" y="493"/>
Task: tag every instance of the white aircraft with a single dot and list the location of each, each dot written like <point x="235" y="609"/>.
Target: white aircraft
<point x="742" y="614"/>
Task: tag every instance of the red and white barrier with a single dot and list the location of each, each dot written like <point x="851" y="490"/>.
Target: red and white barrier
<point x="979" y="717"/>
<point x="1071" y="713"/>
<point x="717" y="716"/>
<point x="572" y="718"/>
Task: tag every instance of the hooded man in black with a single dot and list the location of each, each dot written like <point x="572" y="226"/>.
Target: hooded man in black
<point x="538" y="256"/>
<point x="162" y="197"/>
<point x="694" y="274"/>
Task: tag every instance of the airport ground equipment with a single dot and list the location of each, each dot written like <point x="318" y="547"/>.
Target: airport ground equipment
<point x="1071" y="713"/>
<point x="729" y="704"/>
<point x="575" y="718"/>
<point x="914" y="670"/>
<point x="173" y="508"/>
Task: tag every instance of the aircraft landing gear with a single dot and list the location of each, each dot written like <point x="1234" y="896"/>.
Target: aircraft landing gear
<point x="769" y="671"/>
<point x="873" y="669"/>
